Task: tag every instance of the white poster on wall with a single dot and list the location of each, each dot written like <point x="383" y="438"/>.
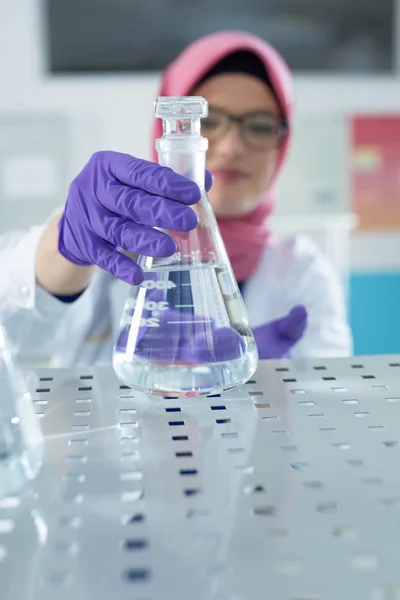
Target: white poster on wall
<point x="315" y="178"/>
<point x="28" y="176"/>
<point x="35" y="151"/>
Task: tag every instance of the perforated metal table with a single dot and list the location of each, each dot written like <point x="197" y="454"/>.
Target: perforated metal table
<point x="286" y="489"/>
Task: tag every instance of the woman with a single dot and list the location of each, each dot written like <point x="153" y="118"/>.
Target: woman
<point x="55" y="300"/>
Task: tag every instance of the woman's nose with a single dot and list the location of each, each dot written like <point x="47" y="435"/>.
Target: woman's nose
<point x="230" y="144"/>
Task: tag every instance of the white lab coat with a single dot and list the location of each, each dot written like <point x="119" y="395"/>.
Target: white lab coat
<point x="47" y="331"/>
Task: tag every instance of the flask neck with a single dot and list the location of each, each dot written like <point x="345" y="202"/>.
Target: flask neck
<point x="184" y="156"/>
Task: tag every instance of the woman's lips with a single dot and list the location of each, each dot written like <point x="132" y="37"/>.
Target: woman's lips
<point x="228" y="175"/>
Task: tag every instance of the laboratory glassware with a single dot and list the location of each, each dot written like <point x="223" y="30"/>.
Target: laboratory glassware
<point x="184" y="330"/>
<point x="21" y="440"/>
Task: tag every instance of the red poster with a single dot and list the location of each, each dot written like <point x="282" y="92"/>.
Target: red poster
<point x="376" y="171"/>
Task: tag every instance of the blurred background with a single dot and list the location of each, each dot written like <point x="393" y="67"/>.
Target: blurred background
<point x="81" y="75"/>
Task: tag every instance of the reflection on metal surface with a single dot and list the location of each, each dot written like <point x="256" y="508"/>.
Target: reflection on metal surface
<point x="294" y="498"/>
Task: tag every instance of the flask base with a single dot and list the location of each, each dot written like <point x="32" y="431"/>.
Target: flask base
<point x="183" y="380"/>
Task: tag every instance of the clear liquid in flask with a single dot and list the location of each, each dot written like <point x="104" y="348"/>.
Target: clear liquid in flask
<point x="182" y="333"/>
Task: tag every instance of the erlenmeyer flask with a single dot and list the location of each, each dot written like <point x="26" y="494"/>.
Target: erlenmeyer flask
<point x="21" y="441"/>
<point x="184" y="331"/>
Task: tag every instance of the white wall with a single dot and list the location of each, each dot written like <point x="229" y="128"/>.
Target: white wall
<point x="114" y="112"/>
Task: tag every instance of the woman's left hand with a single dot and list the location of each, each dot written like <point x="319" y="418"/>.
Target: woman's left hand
<point x="276" y="338"/>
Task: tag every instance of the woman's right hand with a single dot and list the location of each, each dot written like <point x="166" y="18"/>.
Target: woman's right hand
<point x="114" y="202"/>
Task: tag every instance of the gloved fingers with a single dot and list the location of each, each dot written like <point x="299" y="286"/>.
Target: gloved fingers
<point x="209" y="180"/>
<point x="151" y="349"/>
<point x="228" y="344"/>
<point x="160" y="343"/>
<point x="156" y="342"/>
<point x="148" y="176"/>
<point x="130" y="236"/>
<point x="216" y="345"/>
<point x="272" y="340"/>
<point x="170" y="336"/>
<point x="66" y="232"/>
<point x="109" y="259"/>
<point x="270" y="344"/>
<point x="293" y="326"/>
<point x="147" y="209"/>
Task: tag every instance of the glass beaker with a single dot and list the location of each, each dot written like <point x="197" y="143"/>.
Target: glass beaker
<point x="184" y="331"/>
<point x="21" y="440"/>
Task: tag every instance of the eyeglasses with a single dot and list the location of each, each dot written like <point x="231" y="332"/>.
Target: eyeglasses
<point x="259" y="130"/>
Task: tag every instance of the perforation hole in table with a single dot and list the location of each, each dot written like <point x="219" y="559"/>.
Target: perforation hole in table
<point x="191" y="491"/>
<point x="264" y="511"/>
<point x="184" y="454"/>
<point x="133" y="519"/>
<point x="135" y="544"/>
<point x="254" y="489"/>
<point x="137" y="575"/>
<point x="304" y="450"/>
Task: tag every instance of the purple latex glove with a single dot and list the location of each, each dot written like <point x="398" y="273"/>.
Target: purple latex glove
<point x="185" y="338"/>
<point x="115" y="202"/>
<point x="277" y="338"/>
<point x="181" y="337"/>
<point x="175" y="337"/>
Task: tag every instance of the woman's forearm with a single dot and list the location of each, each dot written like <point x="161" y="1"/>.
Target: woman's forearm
<point x="54" y="273"/>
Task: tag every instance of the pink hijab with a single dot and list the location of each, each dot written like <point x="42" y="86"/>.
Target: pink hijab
<point x="180" y="78"/>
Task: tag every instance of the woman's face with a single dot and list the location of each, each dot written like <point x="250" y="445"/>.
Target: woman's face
<point x="242" y="155"/>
